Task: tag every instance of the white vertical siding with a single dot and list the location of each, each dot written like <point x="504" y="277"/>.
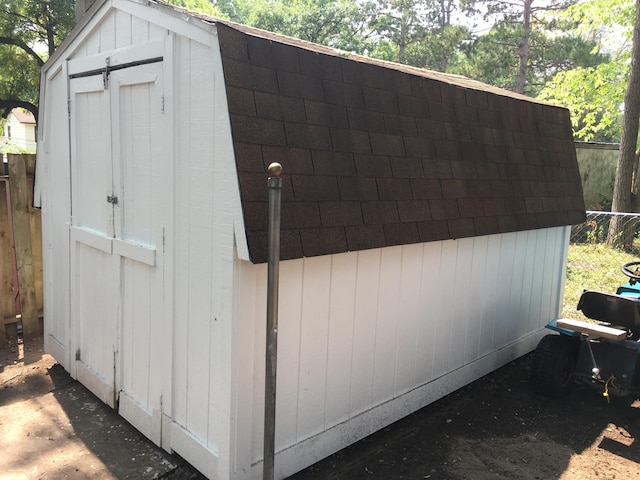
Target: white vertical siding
<point x="53" y="181"/>
<point x="372" y="331"/>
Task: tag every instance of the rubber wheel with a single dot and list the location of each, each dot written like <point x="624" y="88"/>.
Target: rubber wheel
<point x="553" y="365"/>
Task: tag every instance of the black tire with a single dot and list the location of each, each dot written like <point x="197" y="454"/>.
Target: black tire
<point x="553" y="365"/>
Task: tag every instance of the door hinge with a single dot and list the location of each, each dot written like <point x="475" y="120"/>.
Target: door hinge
<point x="162" y="104"/>
<point x="112" y="199"/>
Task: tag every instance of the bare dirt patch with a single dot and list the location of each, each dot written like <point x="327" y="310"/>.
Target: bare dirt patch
<point x="495" y="428"/>
<point x="51" y="427"/>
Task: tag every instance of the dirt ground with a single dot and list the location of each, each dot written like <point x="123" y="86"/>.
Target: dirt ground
<point x="495" y="428"/>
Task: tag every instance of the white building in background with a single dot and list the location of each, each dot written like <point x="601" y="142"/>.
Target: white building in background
<point x="19" y="135"/>
<point x="20" y="130"/>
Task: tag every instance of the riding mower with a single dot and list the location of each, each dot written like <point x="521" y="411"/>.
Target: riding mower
<point x="604" y="353"/>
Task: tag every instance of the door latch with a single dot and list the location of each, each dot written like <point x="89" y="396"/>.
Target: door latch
<point x="112" y="199"/>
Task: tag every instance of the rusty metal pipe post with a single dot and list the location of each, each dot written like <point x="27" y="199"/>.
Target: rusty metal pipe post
<point x="274" y="183"/>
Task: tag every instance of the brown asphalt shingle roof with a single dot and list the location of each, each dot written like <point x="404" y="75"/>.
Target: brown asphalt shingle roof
<point x="376" y="154"/>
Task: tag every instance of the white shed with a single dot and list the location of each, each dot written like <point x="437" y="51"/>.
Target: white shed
<point x="425" y="223"/>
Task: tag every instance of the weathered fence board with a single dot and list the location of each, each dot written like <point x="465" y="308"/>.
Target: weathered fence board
<point x="7" y="296"/>
<point x="20" y="250"/>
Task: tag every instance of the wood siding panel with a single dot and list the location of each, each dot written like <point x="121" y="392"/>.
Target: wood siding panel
<point x="364" y="334"/>
<point x="314" y="346"/>
<point x="408" y="320"/>
<point x="369" y="327"/>
<point x="341" y="324"/>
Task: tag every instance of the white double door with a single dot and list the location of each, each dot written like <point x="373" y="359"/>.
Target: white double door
<point x="119" y="191"/>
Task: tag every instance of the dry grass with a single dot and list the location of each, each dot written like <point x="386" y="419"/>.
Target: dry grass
<point x="592" y="266"/>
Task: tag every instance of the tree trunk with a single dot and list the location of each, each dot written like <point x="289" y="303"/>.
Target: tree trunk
<point x="523" y="49"/>
<point x="619" y="235"/>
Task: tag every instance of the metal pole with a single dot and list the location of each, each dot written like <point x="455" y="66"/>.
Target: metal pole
<point x="274" y="183"/>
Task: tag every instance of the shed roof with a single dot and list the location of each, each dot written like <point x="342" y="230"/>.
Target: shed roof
<point x="378" y="154"/>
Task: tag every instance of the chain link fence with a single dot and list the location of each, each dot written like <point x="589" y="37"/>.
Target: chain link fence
<point x="593" y="264"/>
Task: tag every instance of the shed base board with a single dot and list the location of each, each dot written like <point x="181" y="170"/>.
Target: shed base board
<point x="306" y="453"/>
<point x="149" y="423"/>
<point x="95" y="384"/>
<point x="57" y="350"/>
<point x="193" y="451"/>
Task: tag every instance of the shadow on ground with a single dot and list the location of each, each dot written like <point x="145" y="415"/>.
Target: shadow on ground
<point x="495" y="428"/>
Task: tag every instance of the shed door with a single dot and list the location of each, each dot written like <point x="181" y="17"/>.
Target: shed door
<point x="118" y="204"/>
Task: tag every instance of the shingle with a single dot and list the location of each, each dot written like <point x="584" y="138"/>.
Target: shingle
<point x="319" y="65"/>
<point x="412" y="106"/>
<point x="300" y="86"/>
<point x="416" y="147"/>
<point x="323" y="241"/>
<point x="326" y="162"/>
<point x="394" y="188"/>
<point x="470" y="207"/>
<point x="400" y="125"/>
<point x="380" y="212"/>
<point x="485" y="225"/>
<point x="378" y="100"/>
<point x="249" y="157"/>
<point x="401" y="233"/>
<point x="257" y="130"/>
<point x="373" y="166"/>
<point x="303" y="135"/>
<point x="326" y="114"/>
<point x="443" y="209"/>
<point x="414" y="210"/>
<point x="354" y="141"/>
<point x="426" y="88"/>
<point x="436" y="168"/>
<point x="233" y="44"/>
<point x="433" y="230"/>
<point x="426" y="188"/>
<point x="308" y="188"/>
<point x="461" y="227"/>
<point x="383" y="144"/>
<point x="360" y="119"/>
<point x="365" y="237"/>
<point x="340" y="214"/>
<point x="299" y="215"/>
<point x="357" y="188"/>
<point x="403" y="167"/>
<point x="278" y="107"/>
<point x="339" y="93"/>
<point x="454" y="188"/>
<point x="241" y="101"/>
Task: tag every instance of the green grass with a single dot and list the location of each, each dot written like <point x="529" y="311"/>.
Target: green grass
<point x="592" y="267"/>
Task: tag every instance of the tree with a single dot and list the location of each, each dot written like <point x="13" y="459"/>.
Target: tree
<point x="420" y="32"/>
<point x="522" y="33"/>
<point x="625" y="187"/>
<point x="30" y="31"/>
<point x="340" y="24"/>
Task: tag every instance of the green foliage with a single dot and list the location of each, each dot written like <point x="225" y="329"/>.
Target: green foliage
<point x="337" y="23"/>
<point x="595" y="93"/>
<point x="30" y="31"/>
<point x="594" y="97"/>
<point x="202" y="6"/>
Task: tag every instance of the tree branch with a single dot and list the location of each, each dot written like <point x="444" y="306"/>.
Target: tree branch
<point x="20" y="44"/>
<point x="6" y="105"/>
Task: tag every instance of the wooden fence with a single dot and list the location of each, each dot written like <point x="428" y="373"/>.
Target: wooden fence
<point x="20" y="251"/>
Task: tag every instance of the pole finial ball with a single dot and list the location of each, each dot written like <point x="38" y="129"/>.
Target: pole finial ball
<point x="275" y="169"/>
